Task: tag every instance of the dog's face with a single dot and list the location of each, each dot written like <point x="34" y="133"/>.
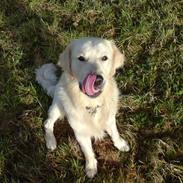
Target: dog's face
<point x="92" y="61"/>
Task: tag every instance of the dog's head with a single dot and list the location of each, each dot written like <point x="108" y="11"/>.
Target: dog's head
<point x="92" y="61"/>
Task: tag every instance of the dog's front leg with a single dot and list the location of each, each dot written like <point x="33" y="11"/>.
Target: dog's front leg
<point x="118" y="141"/>
<point x="86" y="147"/>
<point x="54" y="113"/>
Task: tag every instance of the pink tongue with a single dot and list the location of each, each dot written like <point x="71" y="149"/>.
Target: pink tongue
<point x="88" y="85"/>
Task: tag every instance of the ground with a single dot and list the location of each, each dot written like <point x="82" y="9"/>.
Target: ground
<point x="150" y="117"/>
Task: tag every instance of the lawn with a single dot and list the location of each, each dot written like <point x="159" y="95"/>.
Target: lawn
<point x="150" y="117"/>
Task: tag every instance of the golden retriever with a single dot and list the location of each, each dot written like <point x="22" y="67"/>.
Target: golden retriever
<point x="86" y="94"/>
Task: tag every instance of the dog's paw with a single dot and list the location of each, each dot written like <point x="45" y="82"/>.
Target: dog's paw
<point x="91" y="172"/>
<point x="122" y="145"/>
<point x="91" y="168"/>
<point x="51" y="143"/>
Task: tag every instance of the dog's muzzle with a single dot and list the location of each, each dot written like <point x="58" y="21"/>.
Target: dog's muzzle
<point x="92" y="85"/>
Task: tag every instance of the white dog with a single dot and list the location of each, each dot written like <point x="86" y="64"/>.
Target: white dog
<point x="86" y="93"/>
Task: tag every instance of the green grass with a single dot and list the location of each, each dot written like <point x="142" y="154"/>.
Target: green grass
<point x="150" y="117"/>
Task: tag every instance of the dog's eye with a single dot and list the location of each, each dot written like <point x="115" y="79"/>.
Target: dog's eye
<point x="82" y="59"/>
<point x="104" y="58"/>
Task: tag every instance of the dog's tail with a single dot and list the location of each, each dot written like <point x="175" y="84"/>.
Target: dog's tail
<point x="46" y="77"/>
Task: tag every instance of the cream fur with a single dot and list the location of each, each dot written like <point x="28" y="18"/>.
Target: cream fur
<point x="69" y="101"/>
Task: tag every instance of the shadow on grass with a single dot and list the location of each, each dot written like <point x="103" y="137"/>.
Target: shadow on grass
<point x="21" y="148"/>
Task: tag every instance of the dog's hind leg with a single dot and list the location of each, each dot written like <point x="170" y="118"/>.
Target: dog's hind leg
<point x="55" y="112"/>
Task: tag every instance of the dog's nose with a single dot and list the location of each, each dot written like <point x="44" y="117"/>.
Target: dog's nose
<point x="99" y="81"/>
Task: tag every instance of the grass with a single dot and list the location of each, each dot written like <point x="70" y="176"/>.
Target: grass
<point x="150" y="117"/>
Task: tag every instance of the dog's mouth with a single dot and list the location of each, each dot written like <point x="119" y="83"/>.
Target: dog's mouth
<point x="92" y="85"/>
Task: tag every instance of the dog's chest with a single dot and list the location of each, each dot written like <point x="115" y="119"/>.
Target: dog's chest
<point x="97" y="114"/>
<point x="94" y="119"/>
<point x="93" y="110"/>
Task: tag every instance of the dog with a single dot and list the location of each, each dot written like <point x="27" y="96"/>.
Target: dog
<point x="86" y="93"/>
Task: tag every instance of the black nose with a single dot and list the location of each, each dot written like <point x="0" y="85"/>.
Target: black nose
<point x="99" y="81"/>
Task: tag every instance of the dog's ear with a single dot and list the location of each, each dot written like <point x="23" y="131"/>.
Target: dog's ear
<point x="65" y="59"/>
<point x="118" y="58"/>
